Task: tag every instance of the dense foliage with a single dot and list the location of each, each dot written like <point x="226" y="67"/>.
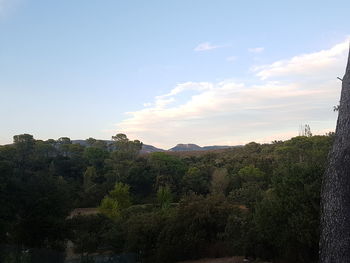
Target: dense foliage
<point x="259" y="200"/>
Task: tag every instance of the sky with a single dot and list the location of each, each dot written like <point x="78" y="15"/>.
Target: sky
<point x="165" y="72"/>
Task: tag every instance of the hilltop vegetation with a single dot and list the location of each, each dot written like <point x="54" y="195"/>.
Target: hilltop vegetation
<point x="259" y="200"/>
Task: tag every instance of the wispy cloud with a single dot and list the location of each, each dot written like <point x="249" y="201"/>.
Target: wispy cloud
<point x="207" y="46"/>
<point x="232" y="112"/>
<point x="256" y="50"/>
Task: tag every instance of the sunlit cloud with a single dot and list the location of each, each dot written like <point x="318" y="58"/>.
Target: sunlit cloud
<point x="332" y="59"/>
<point x="231" y="112"/>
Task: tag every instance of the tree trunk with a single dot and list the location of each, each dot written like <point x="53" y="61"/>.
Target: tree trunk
<point x="335" y="193"/>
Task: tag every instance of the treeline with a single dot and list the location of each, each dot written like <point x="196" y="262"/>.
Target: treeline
<point x="259" y="200"/>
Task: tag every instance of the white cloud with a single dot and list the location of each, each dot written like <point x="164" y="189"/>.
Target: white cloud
<point x="197" y="86"/>
<point x="256" y="50"/>
<point x="207" y="46"/>
<point x="229" y="112"/>
<point x="314" y="63"/>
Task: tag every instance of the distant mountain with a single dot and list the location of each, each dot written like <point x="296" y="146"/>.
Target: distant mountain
<point x="185" y="147"/>
<point x="150" y="149"/>
<point x="178" y="148"/>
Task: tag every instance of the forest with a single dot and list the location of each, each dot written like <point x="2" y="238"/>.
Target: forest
<point x="261" y="201"/>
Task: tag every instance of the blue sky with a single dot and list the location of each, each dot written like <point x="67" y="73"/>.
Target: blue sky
<point x="165" y="72"/>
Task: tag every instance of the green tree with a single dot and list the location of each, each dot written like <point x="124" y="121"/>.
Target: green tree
<point x="287" y="219"/>
<point x="219" y="181"/>
<point x="24" y="145"/>
<point x="196" y="230"/>
<point x="141" y="179"/>
<point x="88" y="233"/>
<point x="123" y="156"/>
<point x="96" y="156"/>
<point x="142" y="232"/>
<point x="249" y="186"/>
<point x="196" y="181"/>
<point x="126" y="149"/>
<point x="89" y="176"/>
<point x="169" y="171"/>
<point x="90" y="141"/>
<point x="116" y="201"/>
<point x="41" y="210"/>
<point x="164" y="197"/>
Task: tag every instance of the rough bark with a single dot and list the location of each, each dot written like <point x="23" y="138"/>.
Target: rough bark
<point x="335" y="193"/>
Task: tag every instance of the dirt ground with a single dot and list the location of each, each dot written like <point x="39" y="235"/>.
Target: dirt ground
<point x="217" y="260"/>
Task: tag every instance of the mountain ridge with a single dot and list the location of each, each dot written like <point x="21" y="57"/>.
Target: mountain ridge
<point x="181" y="147"/>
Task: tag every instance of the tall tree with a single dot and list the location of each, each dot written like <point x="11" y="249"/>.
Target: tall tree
<point x="24" y="145"/>
<point x="126" y="148"/>
<point x="335" y="195"/>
